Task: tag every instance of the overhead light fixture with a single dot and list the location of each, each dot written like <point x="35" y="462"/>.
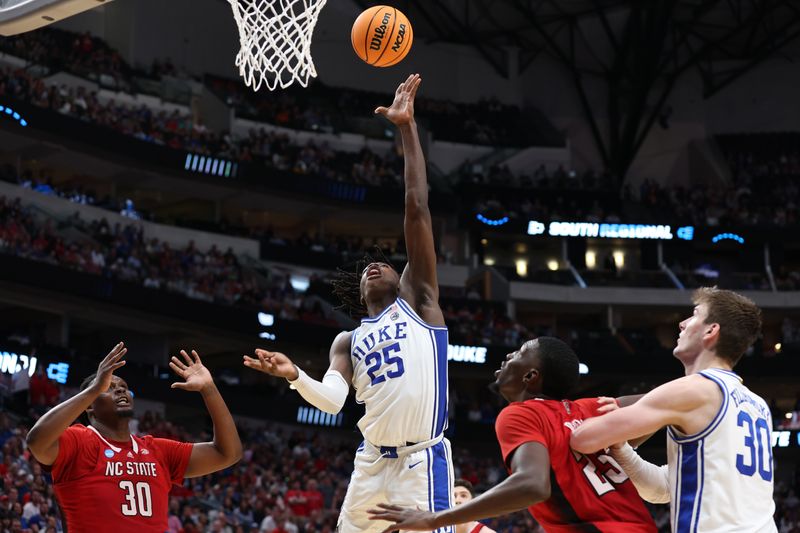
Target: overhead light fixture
<point x="522" y="267"/>
<point x="591" y="259"/>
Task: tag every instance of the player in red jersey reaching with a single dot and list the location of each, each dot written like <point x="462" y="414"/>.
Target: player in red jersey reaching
<point x="105" y="479"/>
<point x="566" y="492"/>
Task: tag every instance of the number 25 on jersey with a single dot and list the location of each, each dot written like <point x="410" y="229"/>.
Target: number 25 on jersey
<point x="389" y="357"/>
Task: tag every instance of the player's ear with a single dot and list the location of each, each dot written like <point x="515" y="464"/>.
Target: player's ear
<point x="530" y="376"/>
<point x="712" y="332"/>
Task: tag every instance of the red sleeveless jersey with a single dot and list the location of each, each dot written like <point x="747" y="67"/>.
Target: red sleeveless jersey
<point x="588" y="493"/>
<point x="122" y="487"/>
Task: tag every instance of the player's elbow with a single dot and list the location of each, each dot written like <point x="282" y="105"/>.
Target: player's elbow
<point x="33" y="441"/>
<point x="582" y="442"/>
<point x="42" y="451"/>
<point x="536" y="490"/>
<point x="230" y="456"/>
<point x="236" y="454"/>
<point x="416" y="203"/>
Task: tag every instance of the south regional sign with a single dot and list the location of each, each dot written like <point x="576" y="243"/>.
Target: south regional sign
<point x="604" y="230"/>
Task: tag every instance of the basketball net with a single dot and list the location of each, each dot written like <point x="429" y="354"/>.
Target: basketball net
<point x="275" y="41"/>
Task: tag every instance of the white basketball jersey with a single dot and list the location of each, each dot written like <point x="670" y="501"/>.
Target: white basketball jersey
<point x="722" y="478"/>
<point x="400" y="375"/>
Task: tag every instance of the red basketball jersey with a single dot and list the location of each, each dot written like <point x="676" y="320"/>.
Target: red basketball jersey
<point x="588" y="493"/>
<point x="122" y="487"/>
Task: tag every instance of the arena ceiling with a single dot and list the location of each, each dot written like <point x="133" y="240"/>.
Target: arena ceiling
<point x="590" y="33"/>
<point x="638" y="48"/>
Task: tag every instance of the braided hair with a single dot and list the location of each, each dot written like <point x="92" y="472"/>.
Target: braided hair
<point x="346" y="283"/>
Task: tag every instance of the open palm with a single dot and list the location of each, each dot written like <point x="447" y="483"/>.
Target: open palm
<point x="402" y="109"/>
<point x="195" y="375"/>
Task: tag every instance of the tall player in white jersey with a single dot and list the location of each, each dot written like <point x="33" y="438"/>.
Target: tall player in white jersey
<point x="719" y="476"/>
<point x="396" y="360"/>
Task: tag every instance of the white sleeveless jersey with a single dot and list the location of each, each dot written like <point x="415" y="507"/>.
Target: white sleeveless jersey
<point x="400" y="375"/>
<point x="722" y="478"/>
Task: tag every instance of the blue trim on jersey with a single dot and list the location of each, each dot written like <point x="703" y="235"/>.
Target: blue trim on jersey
<point x="728" y="372"/>
<point x="440" y="351"/>
<point x="702" y="481"/>
<point x="430" y="479"/>
<point x="714" y="423"/>
<point x="415" y="317"/>
<point x="689" y="492"/>
<point x="676" y="502"/>
<point x="441" y="479"/>
<point x="379" y="316"/>
<point x="353" y="337"/>
<point x="434" y="418"/>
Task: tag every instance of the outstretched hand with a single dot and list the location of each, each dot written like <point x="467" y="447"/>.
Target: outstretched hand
<point x="195" y="375"/>
<point x="272" y="363"/>
<point x="403" y="519"/>
<point x="105" y="370"/>
<point x="402" y="109"/>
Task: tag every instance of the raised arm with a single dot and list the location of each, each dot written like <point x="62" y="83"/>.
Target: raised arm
<point x="687" y="403"/>
<point x="528" y="484"/>
<point x="226" y="448"/>
<point x="418" y="284"/>
<point x="327" y="395"/>
<point x="43" y="437"/>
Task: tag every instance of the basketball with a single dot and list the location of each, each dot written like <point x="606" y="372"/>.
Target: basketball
<point x="382" y="36"/>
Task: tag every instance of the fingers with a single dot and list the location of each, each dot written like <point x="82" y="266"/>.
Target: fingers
<point x="179" y="385"/>
<point x="177" y="365"/>
<point x="607" y="404"/>
<point x="186" y="358"/>
<point x="390" y="507"/>
<point x="265" y="360"/>
<point x="196" y="357"/>
<point x="410" y="83"/>
<point x="381" y="110"/>
<point x="175" y="368"/>
<point x="262" y="364"/>
<point x="118" y="364"/>
<point x="414" y="86"/>
<point x="118" y="349"/>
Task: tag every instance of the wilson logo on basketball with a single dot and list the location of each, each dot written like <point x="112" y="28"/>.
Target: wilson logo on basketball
<point x="380" y="33"/>
<point x="401" y="35"/>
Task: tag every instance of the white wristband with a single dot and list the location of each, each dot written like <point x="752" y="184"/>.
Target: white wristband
<point x="328" y="395"/>
<point x="651" y="481"/>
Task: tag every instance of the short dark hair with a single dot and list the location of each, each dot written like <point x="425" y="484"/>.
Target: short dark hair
<point x="461" y="482"/>
<point x="559" y="367"/>
<point x="739" y="320"/>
